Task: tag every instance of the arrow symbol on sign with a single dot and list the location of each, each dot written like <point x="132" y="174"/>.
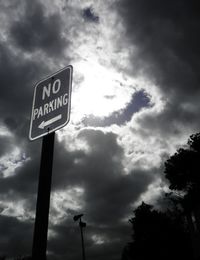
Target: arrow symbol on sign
<point x="49" y="122"/>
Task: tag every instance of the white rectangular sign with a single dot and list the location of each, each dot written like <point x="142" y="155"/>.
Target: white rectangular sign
<point x="51" y="103"/>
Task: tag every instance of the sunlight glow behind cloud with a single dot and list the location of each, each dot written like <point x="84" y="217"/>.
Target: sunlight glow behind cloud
<point x="101" y="92"/>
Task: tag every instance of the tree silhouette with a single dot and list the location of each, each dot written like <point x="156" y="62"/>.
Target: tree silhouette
<point x="174" y="234"/>
<point x="182" y="168"/>
<point x="183" y="172"/>
<point x="157" y="235"/>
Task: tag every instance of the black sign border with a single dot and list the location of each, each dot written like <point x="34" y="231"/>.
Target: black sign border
<point x="69" y="103"/>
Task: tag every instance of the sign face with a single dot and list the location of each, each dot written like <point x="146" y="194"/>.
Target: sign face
<point x="51" y="103"/>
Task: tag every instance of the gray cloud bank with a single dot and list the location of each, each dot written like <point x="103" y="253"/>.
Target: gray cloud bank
<point x="167" y="50"/>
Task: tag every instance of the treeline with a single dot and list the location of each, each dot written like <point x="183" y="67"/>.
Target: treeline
<point x="173" y="233"/>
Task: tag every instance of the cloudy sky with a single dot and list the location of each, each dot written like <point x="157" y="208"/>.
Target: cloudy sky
<point x="135" y="100"/>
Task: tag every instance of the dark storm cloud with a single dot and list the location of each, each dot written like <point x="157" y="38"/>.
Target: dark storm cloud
<point x="108" y="195"/>
<point x="108" y="191"/>
<point x="170" y="122"/>
<point x="18" y="76"/>
<point x="20" y="186"/>
<point x="5" y="145"/>
<point x="16" y="237"/>
<point x="23" y="183"/>
<point x="32" y="30"/>
<point x="90" y="16"/>
<point x="166" y="36"/>
<point x="16" y="79"/>
<point x="102" y="161"/>
<point x="67" y="242"/>
<point x="109" y="200"/>
<point x="35" y="31"/>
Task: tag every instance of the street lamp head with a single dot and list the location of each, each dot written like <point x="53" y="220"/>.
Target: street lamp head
<point x="77" y="217"/>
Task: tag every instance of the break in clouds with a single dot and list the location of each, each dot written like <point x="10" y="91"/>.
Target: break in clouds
<point x="135" y="100"/>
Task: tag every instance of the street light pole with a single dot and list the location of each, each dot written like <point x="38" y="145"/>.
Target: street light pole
<point x="81" y="225"/>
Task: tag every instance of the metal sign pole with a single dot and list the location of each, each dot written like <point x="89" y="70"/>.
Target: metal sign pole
<point x="82" y="225"/>
<point x="43" y="199"/>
